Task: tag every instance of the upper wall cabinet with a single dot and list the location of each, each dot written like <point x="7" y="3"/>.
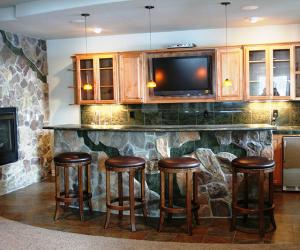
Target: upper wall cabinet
<point x="269" y="72"/>
<point x="96" y="77"/>
<point x="297" y="73"/>
<point x="230" y="65"/>
<point x="132" y="77"/>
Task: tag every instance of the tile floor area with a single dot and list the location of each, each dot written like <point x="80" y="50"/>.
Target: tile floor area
<point x="34" y="205"/>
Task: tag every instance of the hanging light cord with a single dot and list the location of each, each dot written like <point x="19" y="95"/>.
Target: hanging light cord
<point x="226" y="24"/>
<point x="150" y="28"/>
<point x="85" y="34"/>
<point x="149" y="8"/>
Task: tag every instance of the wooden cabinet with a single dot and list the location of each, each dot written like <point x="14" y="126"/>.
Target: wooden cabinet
<point x="230" y="65"/>
<point x="269" y="71"/>
<point x="132" y="77"/>
<point x="96" y="78"/>
<point x="296" y="93"/>
<point x="277" y="149"/>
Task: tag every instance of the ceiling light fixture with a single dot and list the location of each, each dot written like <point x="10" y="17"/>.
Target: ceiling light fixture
<point x="87" y="85"/>
<point x="250" y="7"/>
<point x="226" y="82"/>
<point x="254" y="19"/>
<point x="150" y="83"/>
<point x="97" y="30"/>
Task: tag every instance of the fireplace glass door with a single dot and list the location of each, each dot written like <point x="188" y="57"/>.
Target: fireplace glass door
<point x="8" y="136"/>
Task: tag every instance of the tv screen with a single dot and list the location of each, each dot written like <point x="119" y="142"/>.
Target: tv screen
<point x="182" y="76"/>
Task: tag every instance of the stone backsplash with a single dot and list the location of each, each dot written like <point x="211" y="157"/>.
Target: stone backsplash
<point x="23" y="63"/>
<point x="192" y="113"/>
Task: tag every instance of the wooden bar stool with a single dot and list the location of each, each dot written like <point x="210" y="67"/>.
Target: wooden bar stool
<point x="65" y="161"/>
<point x="121" y="164"/>
<point x="170" y="166"/>
<point x="254" y="165"/>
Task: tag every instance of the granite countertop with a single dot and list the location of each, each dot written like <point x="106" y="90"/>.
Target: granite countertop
<point x="162" y="128"/>
<point x="287" y="130"/>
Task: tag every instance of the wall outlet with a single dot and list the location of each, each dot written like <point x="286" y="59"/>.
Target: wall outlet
<point x="275" y="114"/>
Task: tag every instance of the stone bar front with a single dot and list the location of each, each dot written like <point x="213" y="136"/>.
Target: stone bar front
<point x="214" y="146"/>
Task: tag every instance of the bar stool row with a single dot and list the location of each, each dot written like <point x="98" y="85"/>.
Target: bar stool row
<point x="168" y="168"/>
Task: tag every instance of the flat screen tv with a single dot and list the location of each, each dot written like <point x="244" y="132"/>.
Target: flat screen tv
<point x="183" y="76"/>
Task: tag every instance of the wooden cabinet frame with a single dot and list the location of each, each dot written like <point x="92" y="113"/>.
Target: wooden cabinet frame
<point x="149" y="98"/>
<point x="277" y="157"/>
<point x="132" y="77"/>
<point x="230" y="65"/>
<point x="96" y="78"/>
<point x="269" y="71"/>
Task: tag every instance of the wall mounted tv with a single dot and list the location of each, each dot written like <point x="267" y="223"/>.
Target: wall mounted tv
<point x="183" y="76"/>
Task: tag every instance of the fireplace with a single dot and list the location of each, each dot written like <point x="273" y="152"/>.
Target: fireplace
<point x="8" y="135"/>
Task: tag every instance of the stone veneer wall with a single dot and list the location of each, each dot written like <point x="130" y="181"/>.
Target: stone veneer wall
<point x="214" y="150"/>
<point x="192" y="113"/>
<point x="23" y="70"/>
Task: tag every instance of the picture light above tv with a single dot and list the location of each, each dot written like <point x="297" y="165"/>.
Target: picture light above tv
<point x="183" y="76"/>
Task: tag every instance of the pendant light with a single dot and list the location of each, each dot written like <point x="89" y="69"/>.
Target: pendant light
<point x="150" y="83"/>
<point x="226" y="82"/>
<point x="87" y="85"/>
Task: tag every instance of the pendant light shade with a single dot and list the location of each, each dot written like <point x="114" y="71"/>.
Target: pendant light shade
<point x="226" y="82"/>
<point x="87" y="86"/>
<point x="151" y="83"/>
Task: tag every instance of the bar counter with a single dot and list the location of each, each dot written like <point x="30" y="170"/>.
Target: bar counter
<point x="213" y="145"/>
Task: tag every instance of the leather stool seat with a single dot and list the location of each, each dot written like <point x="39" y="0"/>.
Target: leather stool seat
<point x="72" y="157"/>
<point x="124" y="162"/>
<point x="179" y="162"/>
<point x="253" y="162"/>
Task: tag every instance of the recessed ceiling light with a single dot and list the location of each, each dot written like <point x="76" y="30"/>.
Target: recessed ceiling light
<point x="250" y="7"/>
<point x="254" y="19"/>
<point x="97" y="30"/>
<point x="77" y="21"/>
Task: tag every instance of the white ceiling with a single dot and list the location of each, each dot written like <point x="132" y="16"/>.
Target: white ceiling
<point x="51" y="19"/>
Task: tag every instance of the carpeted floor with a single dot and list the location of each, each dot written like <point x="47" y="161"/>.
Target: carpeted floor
<point x="15" y="235"/>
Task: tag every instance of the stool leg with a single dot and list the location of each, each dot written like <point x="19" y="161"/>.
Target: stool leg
<point x="162" y="200"/>
<point x="120" y="193"/>
<point x="131" y="198"/>
<point x="245" y="217"/>
<point x="170" y="188"/>
<point x="88" y="186"/>
<point x="107" y="199"/>
<point x="57" y="192"/>
<point x="195" y="197"/>
<point x="271" y="199"/>
<point x="80" y="190"/>
<point x="261" y="204"/>
<point x="234" y="199"/>
<point x="66" y="183"/>
<point x="143" y="194"/>
<point x="188" y="201"/>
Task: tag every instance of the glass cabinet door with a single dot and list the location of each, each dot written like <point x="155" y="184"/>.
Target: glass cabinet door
<point x="106" y="79"/>
<point x="297" y="71"/>
<point x="257" y="73"/>
<point x="281" y="72"/>
<point x="87" y="79"/>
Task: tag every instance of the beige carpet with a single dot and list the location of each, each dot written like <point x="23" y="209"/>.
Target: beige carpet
<point x="15" y="235"/>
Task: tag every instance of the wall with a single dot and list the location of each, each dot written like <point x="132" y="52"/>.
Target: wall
<point x="60" y="51"/>
<point x="23" y="69"/>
